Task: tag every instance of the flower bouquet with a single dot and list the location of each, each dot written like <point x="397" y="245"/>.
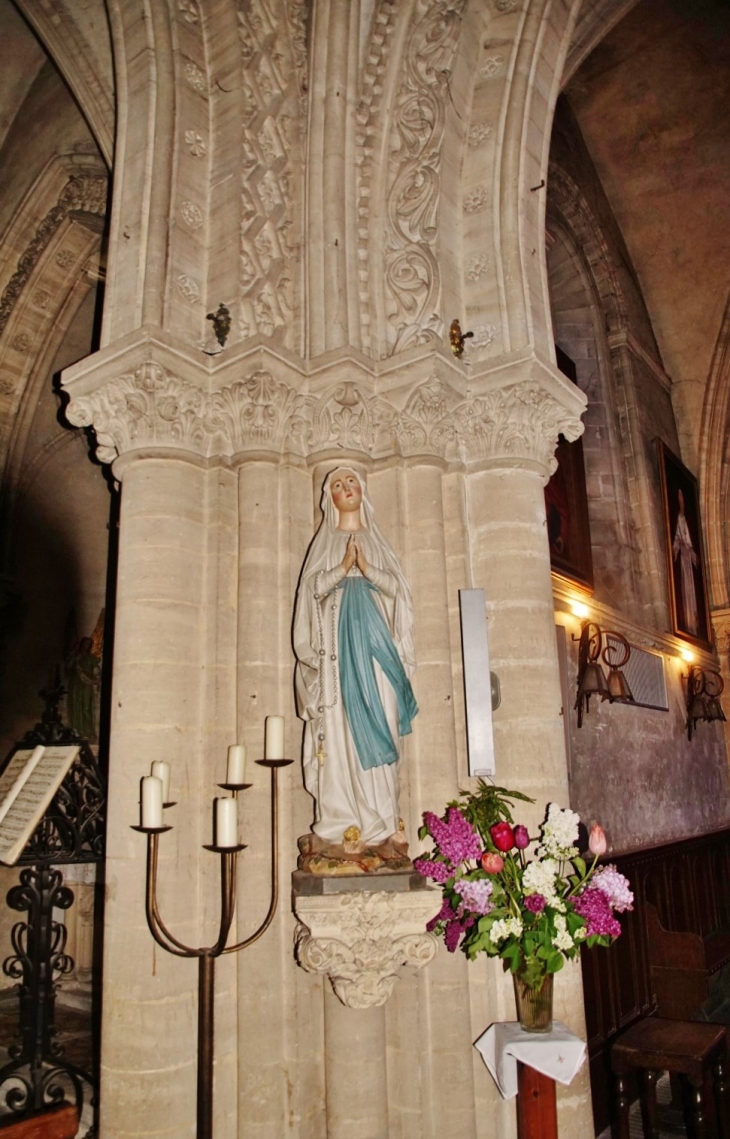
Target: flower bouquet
<point x="535" y="912"/>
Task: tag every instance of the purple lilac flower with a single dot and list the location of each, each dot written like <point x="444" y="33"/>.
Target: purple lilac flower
<point x="455" y="836"/>
<point x="535" y="903"/>
<point x="452" y="933"/>
<point x="615" y="886"/>
<point x="445" y="914"/>
<point x="475" y="894"/>
<point x="454" y="930"/>
<point x="594" y="906"/>
<point x="430" y="868"/>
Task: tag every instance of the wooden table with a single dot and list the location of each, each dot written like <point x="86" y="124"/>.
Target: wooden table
<point x="58" y="1123"/>
<point x="537" y="1112"/>
<point x="527" y="1065"/>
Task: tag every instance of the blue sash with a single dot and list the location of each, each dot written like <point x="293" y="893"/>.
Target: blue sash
<point x="363" y="638"/>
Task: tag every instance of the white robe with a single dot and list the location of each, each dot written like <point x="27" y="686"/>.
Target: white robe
<point x="682" y="548"/>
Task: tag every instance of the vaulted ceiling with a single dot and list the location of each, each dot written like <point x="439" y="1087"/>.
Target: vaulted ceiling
<point x="652" y="104"/>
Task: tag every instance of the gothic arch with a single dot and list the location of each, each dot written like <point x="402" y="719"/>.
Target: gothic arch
<point x="615" y="464"/>
<point x="715" y="465"/>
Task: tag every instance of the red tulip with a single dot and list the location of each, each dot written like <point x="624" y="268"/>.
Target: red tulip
<point x="492" y="863"/>
<point x="597" y="841"/>
<point x="503" y="836"/>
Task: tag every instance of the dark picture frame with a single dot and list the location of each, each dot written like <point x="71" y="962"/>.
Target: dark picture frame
<point x="686" y="567"/>
<point x="566" y="505"/>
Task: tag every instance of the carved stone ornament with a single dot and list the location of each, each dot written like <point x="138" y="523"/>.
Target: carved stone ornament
<point x="512" y="424"/>
<point x="83" y="195"/>
<point x="273" y="39"/>
<point x="362" y="940"/>
<point x="411" y="263"/>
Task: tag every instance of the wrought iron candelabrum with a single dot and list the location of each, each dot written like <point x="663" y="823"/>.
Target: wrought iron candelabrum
<point x="207" y="955"/>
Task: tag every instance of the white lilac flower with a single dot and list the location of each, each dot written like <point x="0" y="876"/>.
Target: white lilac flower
<point x="539" y="878"/>
<point x="559" y="833"/>
<point x="615" y="886"/>
<point x="503" y="928"/>
<point x="562" y="939"/>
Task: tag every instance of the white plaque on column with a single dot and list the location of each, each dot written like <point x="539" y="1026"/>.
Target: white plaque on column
<point x="477" y="681"/>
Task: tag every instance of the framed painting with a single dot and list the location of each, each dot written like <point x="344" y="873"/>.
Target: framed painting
<point x="566" y="506"/>
<point x="686" y="573"/>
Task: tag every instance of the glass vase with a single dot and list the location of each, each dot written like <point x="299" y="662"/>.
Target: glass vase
<point x="534" y="1006"/>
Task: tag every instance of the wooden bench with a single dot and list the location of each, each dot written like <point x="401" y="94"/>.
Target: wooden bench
<point x="695" y="1052"/>
<point x="58" y="1123"/>
<point x="682" y="967"/>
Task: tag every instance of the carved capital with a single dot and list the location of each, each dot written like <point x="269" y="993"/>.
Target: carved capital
<point x="362" y="940"/>
<point x="142" y="408"/>
<point x="516" y="425"/>
<point x="721" y="629"/>
<point x="511" y="415"/>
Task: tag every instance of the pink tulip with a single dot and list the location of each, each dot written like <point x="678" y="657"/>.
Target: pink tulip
<point x="597" y="841"/>
<point x="522" y="837"/>
<point x="492" y="863"/>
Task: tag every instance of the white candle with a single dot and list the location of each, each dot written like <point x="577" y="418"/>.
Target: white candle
<point x="151" y="801"/>
<point x="236" y="770"/>
<point x="274" y="747"/>
<point x="226" y="822"/>
<point x="161" y="768"/>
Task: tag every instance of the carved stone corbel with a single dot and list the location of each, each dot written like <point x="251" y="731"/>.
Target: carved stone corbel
<point x="361" y="940"/>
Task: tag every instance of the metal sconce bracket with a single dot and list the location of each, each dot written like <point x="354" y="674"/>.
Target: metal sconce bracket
<point x="592" y="680"/>
<point x="704" y="687"/>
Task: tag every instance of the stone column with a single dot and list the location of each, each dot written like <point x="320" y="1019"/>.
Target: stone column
<point x="357" y="1080"/>
<point x="508" y="466"/>
<point x="169" y="589"/>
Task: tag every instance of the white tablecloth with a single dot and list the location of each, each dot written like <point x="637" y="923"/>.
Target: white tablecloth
<point x="558" y="1053"/>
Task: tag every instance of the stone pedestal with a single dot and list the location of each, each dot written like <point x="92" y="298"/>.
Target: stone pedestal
<point x="361" y="935"/>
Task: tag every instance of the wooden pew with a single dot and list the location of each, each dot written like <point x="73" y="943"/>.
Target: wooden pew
<point x="682" y="966"/>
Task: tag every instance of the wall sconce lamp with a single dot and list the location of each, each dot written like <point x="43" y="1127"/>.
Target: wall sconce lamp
<point x="703" y="691"/>
<point x="592" y="681"/>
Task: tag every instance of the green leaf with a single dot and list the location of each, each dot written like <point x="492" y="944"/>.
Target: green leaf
<point x="580" y="866"/>
<point x="555" y="962"/>
<point x="487" y="806"/>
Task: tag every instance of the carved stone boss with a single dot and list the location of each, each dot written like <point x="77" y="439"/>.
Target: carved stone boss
<point x="362" y="940"/>
<point x="517" y="423"/>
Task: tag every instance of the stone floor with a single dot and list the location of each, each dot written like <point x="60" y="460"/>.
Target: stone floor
<point x="74" y="1035"/>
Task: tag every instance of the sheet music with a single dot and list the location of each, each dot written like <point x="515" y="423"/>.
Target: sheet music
<point x="31" y="794"/>
<point x="14" y="776"/>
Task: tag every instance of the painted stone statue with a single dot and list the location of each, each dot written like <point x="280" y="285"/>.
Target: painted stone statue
<point x="353" y="641"/>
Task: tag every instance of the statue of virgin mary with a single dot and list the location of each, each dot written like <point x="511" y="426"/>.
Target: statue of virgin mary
<point x="353" y="642"/>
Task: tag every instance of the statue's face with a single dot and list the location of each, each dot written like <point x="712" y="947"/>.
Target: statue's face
<point x="346" y="491"/>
